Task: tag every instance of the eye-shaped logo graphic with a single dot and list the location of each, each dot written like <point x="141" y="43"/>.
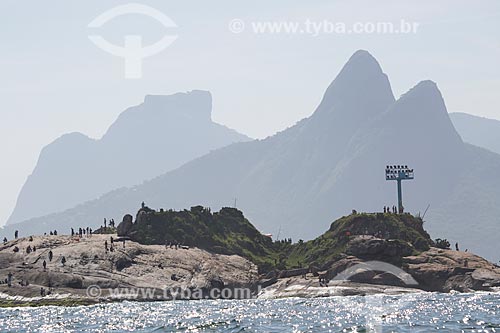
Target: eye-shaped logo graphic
<point x="133" y="52"/>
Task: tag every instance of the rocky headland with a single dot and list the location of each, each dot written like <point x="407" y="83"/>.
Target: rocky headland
<point x="197" y="250"/>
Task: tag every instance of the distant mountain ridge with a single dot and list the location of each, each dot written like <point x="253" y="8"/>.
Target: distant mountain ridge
<point x="145" y="141"/>
<point x="479" y="131"/>
<point x="302" y="178"/>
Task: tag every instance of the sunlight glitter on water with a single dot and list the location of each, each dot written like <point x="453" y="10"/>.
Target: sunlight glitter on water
<point x="425" y="312"/>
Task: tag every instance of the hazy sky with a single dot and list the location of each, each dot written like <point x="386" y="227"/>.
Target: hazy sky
<point x="54" y="80"/>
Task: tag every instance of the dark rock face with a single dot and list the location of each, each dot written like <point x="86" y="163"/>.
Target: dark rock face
<point x="341" y="265"/>
<point x="293" y="272"/>
<point x="372" y="248"/>
<point x="123" y="262"/>
<point x="125" y="226"/>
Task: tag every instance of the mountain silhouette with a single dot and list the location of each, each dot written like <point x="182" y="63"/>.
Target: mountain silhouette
<point x="299" y="180"/>
<point x="479" y="131"/>
<point x="146" y="140"/>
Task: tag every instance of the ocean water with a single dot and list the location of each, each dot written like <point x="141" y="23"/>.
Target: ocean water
<point x="423" y="312"/>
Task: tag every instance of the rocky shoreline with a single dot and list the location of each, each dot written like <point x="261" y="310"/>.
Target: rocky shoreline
<point x="130" y="266"/>
<point x="110" y="276"/>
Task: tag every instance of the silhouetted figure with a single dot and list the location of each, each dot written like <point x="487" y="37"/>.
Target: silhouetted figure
<point x="143" y="205"/>
<point x="72" y="232"/>
<point x="104" y="223"/>
<point x="44" y="263"/>
<point x="51" y="255"/>
<point x="34" y="248"/>
<point x="456" y="247"/>
<point x="42" y="291"/>
<point x="55" y="232"/>
<point x="80" y="232"/>
<point x="63" y="260"/>
<point x="88" y="233"/>
<point x="16" y="234"/>
<point x="385" y="209"/>
<point x="9" y="279"/>
<point x="16" y="249"/>
<point x="106" y="245"/>
<point x="111" y="239"/>
<point x="31" y="238"/>
<point x="51" y="233"/>
<point x="28" y="249"/>
<point x="5" y="240"/>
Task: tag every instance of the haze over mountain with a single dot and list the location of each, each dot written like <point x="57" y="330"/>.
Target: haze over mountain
<point x="302" y="178"/>
<point x="479" y="131"/>
<point x="145" y="141"/>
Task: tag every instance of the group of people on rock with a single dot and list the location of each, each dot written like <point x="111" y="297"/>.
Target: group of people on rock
<point x="44" y="292"/>
<point x="50" y="256"/>
<point x="175" y="245"/>
<point x="111" y="248"/>
<point x="111" y="223"/>
<point x="392" y="209"/>
<point x="82" y="232"/>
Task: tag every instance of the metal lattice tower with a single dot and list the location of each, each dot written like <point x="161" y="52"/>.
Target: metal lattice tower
<point x="399" y="173"/>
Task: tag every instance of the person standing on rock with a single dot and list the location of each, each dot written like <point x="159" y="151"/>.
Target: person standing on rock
<point x="44" y="263"/>
<point x="50" y="255"/>
<point x="456" y="247"/>
<point x="16" y="234"/>
<point x="104" y="223"/>
<point x="72" y="232"/>
<point x="5" y="240"/>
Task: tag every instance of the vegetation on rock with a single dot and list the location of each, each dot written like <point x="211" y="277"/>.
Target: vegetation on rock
<point x="229" y="232"/>
<point x="224" y="232"/>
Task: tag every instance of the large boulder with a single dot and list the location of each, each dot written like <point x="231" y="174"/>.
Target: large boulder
<point x="372" y="248"/>
<point x="125" y="226"/>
